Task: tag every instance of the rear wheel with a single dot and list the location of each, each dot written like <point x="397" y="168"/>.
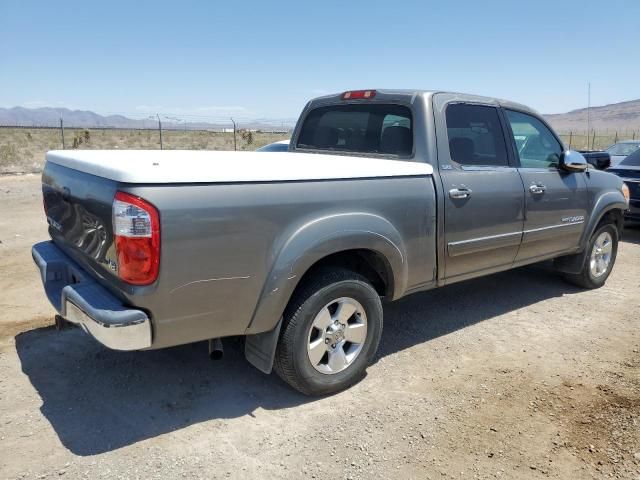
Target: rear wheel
<point x="601" y="256"/>
<point x="330" y="333"/>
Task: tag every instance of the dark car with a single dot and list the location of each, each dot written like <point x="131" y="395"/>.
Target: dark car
<point x="599" y="160"/>
<point x="619" y="151"/>
<point x="629" y="170"/>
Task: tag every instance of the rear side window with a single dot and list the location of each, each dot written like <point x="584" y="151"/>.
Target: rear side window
<point x="475" y="135"/>
<point x="362" y="128"/>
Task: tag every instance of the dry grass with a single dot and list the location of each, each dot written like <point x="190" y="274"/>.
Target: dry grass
<point x="23" y="150"/>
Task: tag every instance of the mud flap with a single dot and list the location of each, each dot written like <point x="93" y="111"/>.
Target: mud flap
<point x="260" y="349"/>
<point x="571" y="263"/>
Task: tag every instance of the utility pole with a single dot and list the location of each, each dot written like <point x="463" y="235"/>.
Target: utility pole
<point x="160" y="129"/>
<point x="62" y="131"/>
<point x="234" y="134"/>
<point x="588" y="112"/>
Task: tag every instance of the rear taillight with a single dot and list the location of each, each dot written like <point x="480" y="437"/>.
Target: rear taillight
<point x="136" y="230"/>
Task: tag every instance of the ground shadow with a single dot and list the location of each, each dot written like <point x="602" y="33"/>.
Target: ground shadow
<point x="428" y="315"/>
<point x="99" y="400"/>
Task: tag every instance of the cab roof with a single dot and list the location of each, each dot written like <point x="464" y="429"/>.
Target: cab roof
<point x="406" y="95"/>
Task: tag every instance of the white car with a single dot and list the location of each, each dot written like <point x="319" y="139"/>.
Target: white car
<point x="281" y="146"/>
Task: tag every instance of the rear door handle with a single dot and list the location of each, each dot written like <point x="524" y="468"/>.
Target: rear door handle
<point x="462" y="192"/>
<point x="537" y="189"/>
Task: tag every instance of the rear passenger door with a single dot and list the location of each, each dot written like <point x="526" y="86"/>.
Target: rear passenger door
<point x="483" y="192"/>
<point x="555" y="200"/>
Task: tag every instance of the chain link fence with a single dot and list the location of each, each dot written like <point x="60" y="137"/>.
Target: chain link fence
<point x="23" y="147"/>
<point x="596" y="140"/>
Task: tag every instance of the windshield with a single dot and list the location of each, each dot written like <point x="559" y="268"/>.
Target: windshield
<point x="632" y="160"/>
<point x="623" y="148"/>
<point x="362" y="128"/>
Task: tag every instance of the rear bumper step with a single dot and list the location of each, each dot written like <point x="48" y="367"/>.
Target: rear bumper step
<point x="81" y="300"/>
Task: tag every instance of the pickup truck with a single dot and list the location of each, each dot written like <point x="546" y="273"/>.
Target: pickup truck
<point x="382" y="193"/>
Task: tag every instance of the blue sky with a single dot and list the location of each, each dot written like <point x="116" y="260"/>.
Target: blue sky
<point x="266" y="59"/>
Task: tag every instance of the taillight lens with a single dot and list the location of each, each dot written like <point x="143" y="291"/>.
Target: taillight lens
<point x="136" y="229"/>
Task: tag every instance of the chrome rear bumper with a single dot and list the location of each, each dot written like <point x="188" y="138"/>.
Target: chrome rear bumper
<point x="81" y="300"/>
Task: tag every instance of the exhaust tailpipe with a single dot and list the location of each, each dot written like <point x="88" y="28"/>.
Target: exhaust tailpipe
<point x="216" y="352"/>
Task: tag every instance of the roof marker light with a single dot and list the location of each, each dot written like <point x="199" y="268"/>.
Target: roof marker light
<point x="359" y="94"/>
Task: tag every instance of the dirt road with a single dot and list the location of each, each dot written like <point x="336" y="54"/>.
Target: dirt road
<point x="516" y="375"/>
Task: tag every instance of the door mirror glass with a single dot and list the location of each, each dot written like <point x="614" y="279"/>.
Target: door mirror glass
<point x="572" y="161"/>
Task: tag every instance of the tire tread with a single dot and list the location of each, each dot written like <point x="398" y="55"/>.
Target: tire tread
<point x="583" y="279"/>
<point x="284" y="358"/>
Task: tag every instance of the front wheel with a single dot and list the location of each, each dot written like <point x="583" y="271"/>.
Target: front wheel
<point x="601" y="256"/>
<point x="330" y="333"/>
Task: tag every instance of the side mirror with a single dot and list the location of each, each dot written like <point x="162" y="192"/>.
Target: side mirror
<point x="603" y="163"/>
<point x="572" y="161"/>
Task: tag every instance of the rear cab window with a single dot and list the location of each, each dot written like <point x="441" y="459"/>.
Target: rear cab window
<point x="384" y="129"/>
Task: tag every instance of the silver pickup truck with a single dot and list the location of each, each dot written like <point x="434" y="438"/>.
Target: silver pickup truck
<point x="383" y="193"/>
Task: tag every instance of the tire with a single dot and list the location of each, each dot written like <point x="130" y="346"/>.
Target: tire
<point x="309" y="327"/>
<point x="591" y="276"/>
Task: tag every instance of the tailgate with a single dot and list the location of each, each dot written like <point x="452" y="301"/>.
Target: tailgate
<point x="79" y="208"/>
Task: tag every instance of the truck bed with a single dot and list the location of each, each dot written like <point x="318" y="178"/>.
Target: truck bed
<point x="220" y="240"/>
<point x="189" y="166"/>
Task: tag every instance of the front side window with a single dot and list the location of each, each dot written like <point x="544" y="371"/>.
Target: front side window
<point x="359" y="128"/>
<point x="475" y="135"/>
<point x="537" y="146"/>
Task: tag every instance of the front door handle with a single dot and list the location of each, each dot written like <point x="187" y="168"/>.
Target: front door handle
<point x="537" y="189"/>
<point x="458" y="193"/>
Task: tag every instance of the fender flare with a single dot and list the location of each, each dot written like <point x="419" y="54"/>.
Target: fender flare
<point x="307" y="245"/>
<point x="610" y="200"/>
<point x="318" y="239"/>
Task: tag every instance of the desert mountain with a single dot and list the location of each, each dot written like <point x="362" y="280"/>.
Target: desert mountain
<point x="622" y="117"/>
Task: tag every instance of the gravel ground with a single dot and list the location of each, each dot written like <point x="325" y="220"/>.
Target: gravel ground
<point x="515" y="375"/>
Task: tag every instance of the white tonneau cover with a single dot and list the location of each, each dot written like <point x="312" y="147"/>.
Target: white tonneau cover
<point x="189" y="166"/>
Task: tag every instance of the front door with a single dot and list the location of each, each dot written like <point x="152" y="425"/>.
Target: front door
<point x="483" y="192"/>
<point x="555" y="201"/>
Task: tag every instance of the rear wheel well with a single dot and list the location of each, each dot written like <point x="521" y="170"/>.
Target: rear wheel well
<point x="368" y="263"/>
<point x="373" y="266"/>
